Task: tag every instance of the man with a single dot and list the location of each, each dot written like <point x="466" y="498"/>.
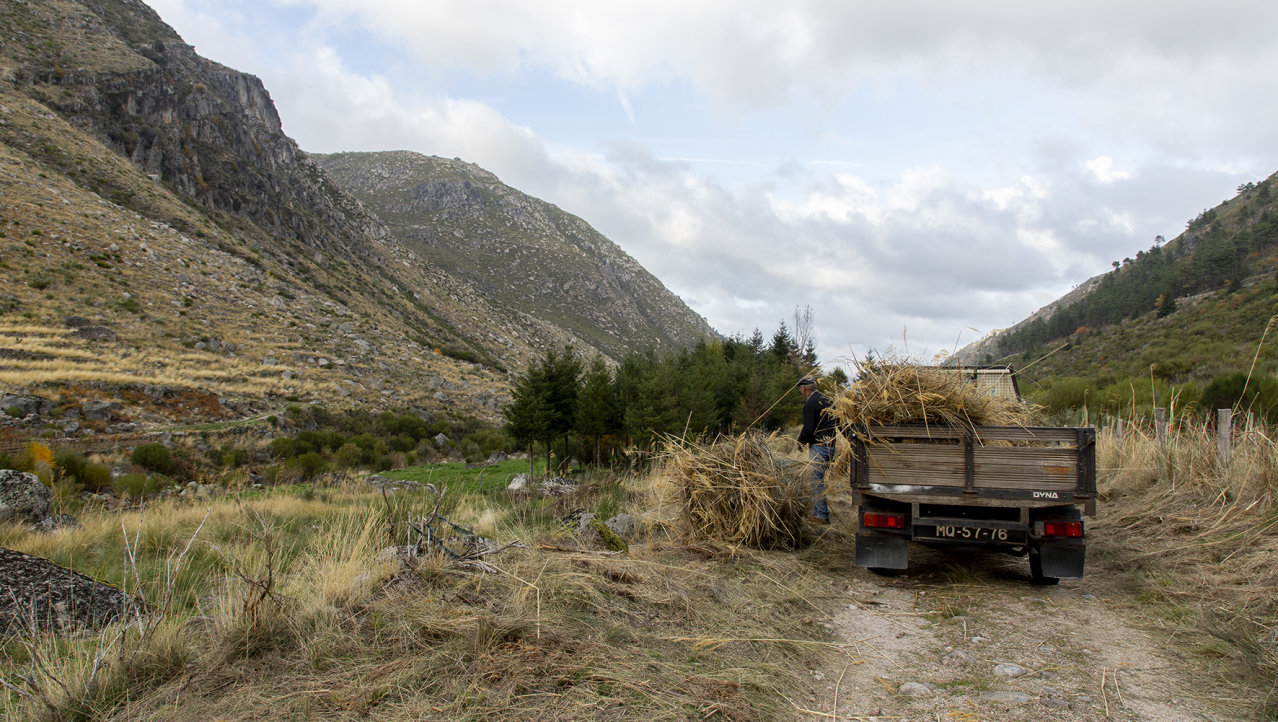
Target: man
<point x="819" y="430"/>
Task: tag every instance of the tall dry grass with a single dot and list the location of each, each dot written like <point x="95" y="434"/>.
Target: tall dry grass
<point x="1201" y="536"/>
<point x="285" y="607"/>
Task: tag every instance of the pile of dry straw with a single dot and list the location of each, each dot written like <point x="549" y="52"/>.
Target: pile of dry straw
<point x="739" y="491"/>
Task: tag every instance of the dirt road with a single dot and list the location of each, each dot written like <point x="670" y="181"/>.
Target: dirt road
<point x="972" y="639"/>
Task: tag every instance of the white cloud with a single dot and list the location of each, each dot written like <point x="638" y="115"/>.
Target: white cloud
<point x="1102" y="169"/>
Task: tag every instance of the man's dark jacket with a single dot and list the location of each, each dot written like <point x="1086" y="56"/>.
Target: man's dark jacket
<point x="818" y="423"/>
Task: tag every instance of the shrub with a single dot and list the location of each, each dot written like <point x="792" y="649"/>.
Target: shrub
<point x="14" y="412"/>
<point x="282" y="447"/>
<point x="137" y="486"/>
<point x="94" y="477"/>
<point x="349" y="456"/>
<point x="70" y="462"/>
<point x="154" y="457"/>
<point x="308" y="464"/>
<point x="6" y="461"/>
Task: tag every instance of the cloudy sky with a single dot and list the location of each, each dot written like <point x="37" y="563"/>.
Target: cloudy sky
<point x="919" y="173"/>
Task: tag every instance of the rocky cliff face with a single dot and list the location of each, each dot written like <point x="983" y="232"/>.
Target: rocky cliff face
<point x="521" y="253"/>
<point x="154" y="192"/>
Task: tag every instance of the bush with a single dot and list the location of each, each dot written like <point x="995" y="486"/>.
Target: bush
<point x="71" y="463"/>
<point x="6" y="461"/>
<point x="349" y="456"/>
<point x="282" y="447"/>
<point x="308" y="464"/>
<point x="154" y="457"/>
<point x="137" y="486"/>
<point x="94" y="477"/>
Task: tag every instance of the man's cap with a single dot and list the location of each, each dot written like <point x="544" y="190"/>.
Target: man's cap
<point x="806" y="381"/>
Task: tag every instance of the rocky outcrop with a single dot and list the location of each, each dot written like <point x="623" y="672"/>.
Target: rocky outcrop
<point x="44" y="596"/>
<point x="23" y="498"/>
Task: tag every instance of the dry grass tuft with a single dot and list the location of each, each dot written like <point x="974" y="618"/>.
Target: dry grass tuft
<point x="1201" y="536"/>
<point x="739" y="491"/>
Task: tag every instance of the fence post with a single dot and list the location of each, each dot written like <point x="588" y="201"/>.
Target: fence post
<point x="1224" y="436"/>
<point x="1118" y="430"/>
<point x="1160" y="426"/>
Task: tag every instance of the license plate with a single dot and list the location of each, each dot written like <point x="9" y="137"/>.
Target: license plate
<point x="970" y="533"/>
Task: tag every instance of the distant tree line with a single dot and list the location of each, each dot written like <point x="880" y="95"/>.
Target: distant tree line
<point x="1210" y="257"/>
<point x="595" y="413"/>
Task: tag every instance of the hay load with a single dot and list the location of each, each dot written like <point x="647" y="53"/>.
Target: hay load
<point x="895" y="392"/>
<point x="738" y="491"/>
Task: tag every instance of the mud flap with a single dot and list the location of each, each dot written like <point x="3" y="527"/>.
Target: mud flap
<point x="880" y="551"/>
<point x="1057" y="559"/>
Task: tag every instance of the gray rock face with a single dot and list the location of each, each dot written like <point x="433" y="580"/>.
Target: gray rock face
<point x="99" y="410"/>
<point x="623" y="525"/>
<point x="25" y="404"/>
<point x="23" y="497"/>
<point x="43" y="595"/>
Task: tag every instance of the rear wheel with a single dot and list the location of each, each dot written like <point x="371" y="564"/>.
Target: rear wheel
<point x="1036" y="569"/>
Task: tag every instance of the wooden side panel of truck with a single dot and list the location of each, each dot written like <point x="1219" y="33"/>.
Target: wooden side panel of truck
<point x="1015" y="489"/>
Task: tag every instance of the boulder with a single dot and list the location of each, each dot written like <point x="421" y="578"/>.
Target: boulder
<point x="441" y="440"/>
<point x="25" y="404"/>
<point x="23" y="497"/>
<point x="623" y="525"/>
<point x="46" y="596"/>
<point x="99" y="410"/>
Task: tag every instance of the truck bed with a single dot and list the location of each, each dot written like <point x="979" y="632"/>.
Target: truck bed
<point x="991" y="466"/>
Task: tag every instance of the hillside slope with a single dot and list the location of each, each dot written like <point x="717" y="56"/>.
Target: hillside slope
<point x="522" y="253"/>
<point x="1184" y="311"/>
<point x="152" y="195"/>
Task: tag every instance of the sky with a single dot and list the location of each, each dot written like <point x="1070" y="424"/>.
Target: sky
<point x="917" y="173"/>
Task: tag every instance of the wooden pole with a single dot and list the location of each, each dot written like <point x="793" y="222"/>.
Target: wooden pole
<point x="1224" y="436"/>
<point x="1160" y="426"/>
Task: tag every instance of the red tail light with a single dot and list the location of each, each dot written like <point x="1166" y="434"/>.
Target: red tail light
<point x="876" y="520"/>
<point x="1063" y="528"/>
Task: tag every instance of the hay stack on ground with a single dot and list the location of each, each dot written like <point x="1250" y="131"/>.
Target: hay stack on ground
<point x="737" y="491"/>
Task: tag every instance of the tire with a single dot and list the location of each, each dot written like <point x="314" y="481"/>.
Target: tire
<point x="1036" y="570"/>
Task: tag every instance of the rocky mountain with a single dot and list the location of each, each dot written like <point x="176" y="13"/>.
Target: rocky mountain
<point x="520" y="253"/>
<point x="168" y="249"/>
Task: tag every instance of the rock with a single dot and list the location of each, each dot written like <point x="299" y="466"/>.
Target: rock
<point x="23" y="497"/>
<point x="42" y="594"/>
<point x="95" y="333"/>
<point x="77" y="322"/>
<point x="26" y="405"/>
<point x="71" y="427"/>
<point x="393" y="485"/>
<point x="56" y="522"/>
<point x="1007" y="698"/>
<point x="441" y="440"/>
<point x="914" y="689"/>
<point x="498" y="457"/>
<point x="1088" y="597"/>
<point x="1053" y="703"/>
<point x="518" y="482"/>
<point x="99" y="410"/>
<point x="957" y="658"/>
<point x="623" y="525"/>
<point x="1008" y="671"/>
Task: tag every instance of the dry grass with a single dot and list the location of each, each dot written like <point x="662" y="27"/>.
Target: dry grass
<point x="284" y="610"/>
<point x="1201" y="538"/>
<point x="894" y="391"/>
<point x="738" y="490"/>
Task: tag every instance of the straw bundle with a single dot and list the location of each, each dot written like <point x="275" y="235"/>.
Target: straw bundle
<point x="888" y="393"/>
<point x="737" y="491"/>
